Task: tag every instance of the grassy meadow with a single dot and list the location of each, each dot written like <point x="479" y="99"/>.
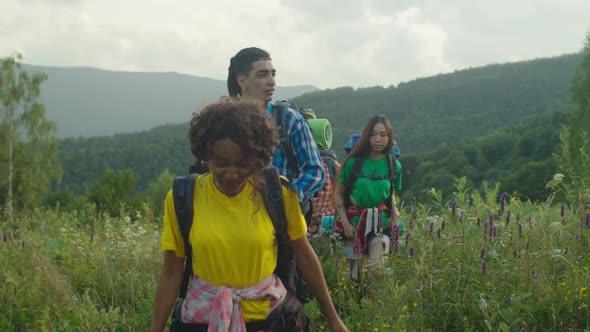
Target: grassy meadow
<point x="467" y="262"/>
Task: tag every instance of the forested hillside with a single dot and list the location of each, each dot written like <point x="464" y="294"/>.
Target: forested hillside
<point x="436" y="120"/>
<point x="94" y="102"/>
<point x="519" y="158"/>
<point x="452" y="108"/>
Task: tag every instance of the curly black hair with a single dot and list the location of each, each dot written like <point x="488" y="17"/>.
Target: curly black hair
<point x="245" y="123"/>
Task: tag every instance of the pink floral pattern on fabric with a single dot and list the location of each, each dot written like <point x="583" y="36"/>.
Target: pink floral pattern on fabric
<point x="220" y="306"/>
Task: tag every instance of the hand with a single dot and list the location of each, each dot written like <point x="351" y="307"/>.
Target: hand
<point x="348" y="229"/>
<point x="336" y="325"/>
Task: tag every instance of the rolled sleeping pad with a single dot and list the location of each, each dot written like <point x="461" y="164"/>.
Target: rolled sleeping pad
<point x="322" y="133"/>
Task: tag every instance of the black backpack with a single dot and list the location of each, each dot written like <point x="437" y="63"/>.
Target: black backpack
<point x="357" y="172"/>
<point x="182" y="192"/>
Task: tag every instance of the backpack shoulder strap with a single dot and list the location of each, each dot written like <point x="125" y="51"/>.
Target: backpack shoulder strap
<point x="275" y="206"/>
<point x="331" y="167"/>
<point x="330" y="157"/>
<point x="357" y="169"/>
<point x="182" y="193"/>
<point x="392" y="178"/>
<point x="279" y="115"/>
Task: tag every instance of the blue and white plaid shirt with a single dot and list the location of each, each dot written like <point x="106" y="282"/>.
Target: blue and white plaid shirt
<point x="308" y="176"/>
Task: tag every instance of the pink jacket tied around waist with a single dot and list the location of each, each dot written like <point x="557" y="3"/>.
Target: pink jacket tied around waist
<point x="220" y="306"/>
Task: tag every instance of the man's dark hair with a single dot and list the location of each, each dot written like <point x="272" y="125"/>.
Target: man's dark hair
<point x="241" y="64"/>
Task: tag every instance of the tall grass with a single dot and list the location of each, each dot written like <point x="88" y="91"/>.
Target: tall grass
<point x="467" y="262"/>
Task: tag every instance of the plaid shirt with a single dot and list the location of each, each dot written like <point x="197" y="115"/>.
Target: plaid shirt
<point x="308" y="175"/>
<point x="220" y="306"/>
<point x="323" y="204"/>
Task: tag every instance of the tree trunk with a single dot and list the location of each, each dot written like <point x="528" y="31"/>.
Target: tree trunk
<point x="10" y="162"/>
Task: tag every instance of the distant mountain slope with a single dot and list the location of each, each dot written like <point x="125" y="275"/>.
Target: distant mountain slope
<point x="451" y="108"/>
<point x="94" y="102"/>
<point x="441" y="112"/>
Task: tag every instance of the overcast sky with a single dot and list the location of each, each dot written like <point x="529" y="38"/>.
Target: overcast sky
<point x="325" y="43"/>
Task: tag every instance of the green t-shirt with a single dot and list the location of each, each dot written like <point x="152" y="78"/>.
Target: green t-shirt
<point x="369" y="193"/>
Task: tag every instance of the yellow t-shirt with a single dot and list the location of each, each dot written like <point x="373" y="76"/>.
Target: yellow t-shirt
<point x="233" y="238"/>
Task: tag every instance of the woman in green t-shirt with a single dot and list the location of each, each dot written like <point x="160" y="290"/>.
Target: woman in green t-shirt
<point x="364" y="197"/>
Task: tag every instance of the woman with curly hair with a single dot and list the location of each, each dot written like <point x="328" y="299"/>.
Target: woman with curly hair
<point x="234" y="250"/>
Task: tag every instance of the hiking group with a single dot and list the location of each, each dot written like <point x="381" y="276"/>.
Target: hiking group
<point x="235" y="237"/>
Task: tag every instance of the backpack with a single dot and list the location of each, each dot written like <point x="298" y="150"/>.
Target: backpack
<point x="182" y="192"/>
<point x="321" y="129"/>
<point x="357" y="172"/>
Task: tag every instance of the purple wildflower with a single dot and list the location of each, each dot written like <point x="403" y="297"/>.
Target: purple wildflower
<point x="519" y="230"/>
<point x="518" y="217"/>
<point x="442" y="225"/>
<point x="536" y="276"/>
<point x="411" y="224"/>
<point x="431" y="229"/>
<point x="491" y="219"/>
<point x="562" y="211"/>
<point x="438" y="233"/>
<point x="23" y="244"/>
<point x="482" y="253"/>
<point x="485" y="227"/>
<point x="492" y="231"/>
<point x="587" y="223"/>
<point x="4" y="237"/>
<point x="484" y="267"/>
<point x="411" y="251"/>
<point x="502" y="203"/>
<point x="578" y="259"/>
<point x="478" y="221"/>
<point x="396" y="246"/>
<point x="408" y="238"/>
<point x="508" y="218"/>
<point x="337" y="264"/>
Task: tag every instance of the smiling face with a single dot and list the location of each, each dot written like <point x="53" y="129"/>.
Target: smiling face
<point x="379" y="137"/>
<point x="229" y="167"/>
<point x="259" y="83"/>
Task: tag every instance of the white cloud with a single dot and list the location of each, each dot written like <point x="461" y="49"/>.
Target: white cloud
<point x="326" y="43"/>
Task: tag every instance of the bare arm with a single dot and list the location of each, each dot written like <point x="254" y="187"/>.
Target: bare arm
<point x="311" y="271"/>
<point x="166" y="290"/>
<point x="394" y="217"/>
<point x="341" y="210"/>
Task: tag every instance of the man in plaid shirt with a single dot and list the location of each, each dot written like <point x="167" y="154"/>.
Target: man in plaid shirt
<point x="252" y="76"/>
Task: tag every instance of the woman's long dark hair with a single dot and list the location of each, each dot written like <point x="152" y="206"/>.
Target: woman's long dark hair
<point x="363" y="146"/>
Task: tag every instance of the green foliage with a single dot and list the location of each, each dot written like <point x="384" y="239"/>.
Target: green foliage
<point x="574" y="153"/>
<point x="62" y="274"/>
<point x="520" y="158"/>
<point x="115" y="191"/>
<point x="453" y="108"/>
<point x="25" y="131"/>
<point x="433" y="116"/>
<point x="157" y="190"/>
<point x="148" y="154"/>
<point x="95" y="272"/>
